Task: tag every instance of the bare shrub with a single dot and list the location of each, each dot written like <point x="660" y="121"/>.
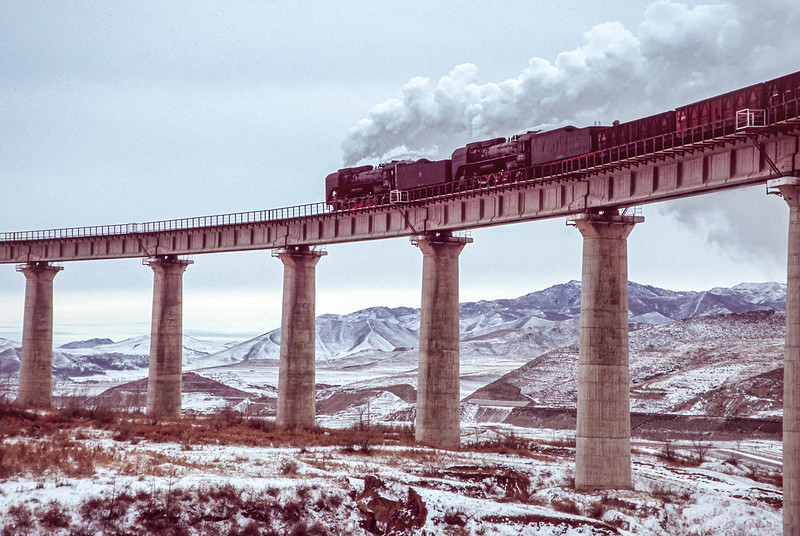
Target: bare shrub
<point x="668" y="451"/>
<point x="366" y="446"/>
<point x="623" y="505"/>
<point x="54" y="516"/>
<point x="598" y="509"/>
<point x="106" y="511"/>
<point x="701" y="449"/>
<point x="767" y="477"/>
<point x="229" y="427"/>
<point x="259" y="507"/>
<point x="289" y="467"/>
<point x="455" y="517"/>
<point x="260" y="424"/>
<point x="668" y="493"/>
<point x="60" y="454"/>
<point x="228" y="417"/>
<point x="566" y="505"/>
<point x="102" y="414"/>
<point x="251" y="529"/>
<point x="21" y="520"/>
<point x="221" y="510"/>
<point x="515" y="484"/>
<point x="564" y="442"/>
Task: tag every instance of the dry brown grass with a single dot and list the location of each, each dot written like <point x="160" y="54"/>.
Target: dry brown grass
<point x="40" y="442"/>
<point x="566" y="505"/>
<point x="537" y="449"/>
<point x="222" y="510"/>
<point x="57" y="454"/>
<point x="227" y="427"/>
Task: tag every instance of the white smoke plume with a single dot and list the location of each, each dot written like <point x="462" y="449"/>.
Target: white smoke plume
<point x="678" y="54"/>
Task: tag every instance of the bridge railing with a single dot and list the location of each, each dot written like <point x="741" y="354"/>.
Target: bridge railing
<point x="789" y="109"/>
<point x="681" y="140"/>
<point x="677" y="141"/>
<point x="258" y="216"/>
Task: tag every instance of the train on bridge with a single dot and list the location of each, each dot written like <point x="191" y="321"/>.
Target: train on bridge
<point x="563" y="152"/>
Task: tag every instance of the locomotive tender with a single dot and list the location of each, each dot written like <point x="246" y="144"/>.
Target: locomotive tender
<point x="523" y="157"/>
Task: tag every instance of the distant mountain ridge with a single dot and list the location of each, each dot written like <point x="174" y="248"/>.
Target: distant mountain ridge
<point x="383" y="328"/>
<point x="530" y="323"/>
<point x="95" y="356"/>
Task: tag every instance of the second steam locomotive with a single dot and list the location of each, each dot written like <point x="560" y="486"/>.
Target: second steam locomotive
<point x="533" y="155"/>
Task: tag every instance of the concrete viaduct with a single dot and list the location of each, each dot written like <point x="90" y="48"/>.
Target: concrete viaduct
<point x="596" y="198"/>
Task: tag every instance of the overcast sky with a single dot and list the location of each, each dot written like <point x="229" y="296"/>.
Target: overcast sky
<point x="140" y="111"/>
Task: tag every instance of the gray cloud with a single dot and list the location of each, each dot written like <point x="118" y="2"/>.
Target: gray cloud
<point x="745" y="224"/>
<point x="676" y="55"/>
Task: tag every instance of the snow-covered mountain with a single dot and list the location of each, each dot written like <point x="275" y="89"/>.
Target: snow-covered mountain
<point x="523" y="327"/>
<point x="96" y="356"/>
<point x="376" y="328"/>
<point x="537" y="315"/>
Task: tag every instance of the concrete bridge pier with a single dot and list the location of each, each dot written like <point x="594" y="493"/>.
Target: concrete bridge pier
<point x="789" y="188"/>
<point x="438" y="389"/>
<point x="603" y="437"/>
<point x="164" y="382"/>
<point x="36" y="366"/>
<point x="296" y="373"/>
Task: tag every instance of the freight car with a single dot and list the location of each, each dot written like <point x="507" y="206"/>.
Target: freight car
<point x="534" y="154"/>
<point x="782" y="96"/>
<point x="656" y="129"/>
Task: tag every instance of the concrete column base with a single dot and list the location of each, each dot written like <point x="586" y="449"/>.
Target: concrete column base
<point x="296" y="374"/>
<point x="36" y="366"/>
<point x="164" y="382"/>
<point x="789" y="188"/>
<point x="603" y="436"/>
<point x="438" y="384"/>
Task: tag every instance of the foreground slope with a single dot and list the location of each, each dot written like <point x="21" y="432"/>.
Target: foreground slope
<point x="101" y="473"/>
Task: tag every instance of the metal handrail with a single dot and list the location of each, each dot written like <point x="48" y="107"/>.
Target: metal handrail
<point x="180" y="224"/>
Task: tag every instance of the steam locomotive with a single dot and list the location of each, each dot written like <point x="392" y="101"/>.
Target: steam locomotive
<point x="536" y="155"/>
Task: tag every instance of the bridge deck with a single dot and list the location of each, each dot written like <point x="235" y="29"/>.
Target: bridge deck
<point x="632" y="177"/>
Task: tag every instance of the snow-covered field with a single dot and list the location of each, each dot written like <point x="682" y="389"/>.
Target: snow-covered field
<point x="107" y="478"/>
<point x="505" y="481"/>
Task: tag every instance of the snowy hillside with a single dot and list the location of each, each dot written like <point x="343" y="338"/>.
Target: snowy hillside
<point x="97" y="356"/>
<point x="486" y="326"/>
<point x="718" y="365"/>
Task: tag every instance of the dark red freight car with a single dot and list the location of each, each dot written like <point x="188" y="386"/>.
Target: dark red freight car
<point x="662" y="124"/>
<point x="719" y="111"/>
<point x="565" y="142"/>
<point x="782" y="90"/>
<point x="782" y="96"/>
<point x="421" y="173"/>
